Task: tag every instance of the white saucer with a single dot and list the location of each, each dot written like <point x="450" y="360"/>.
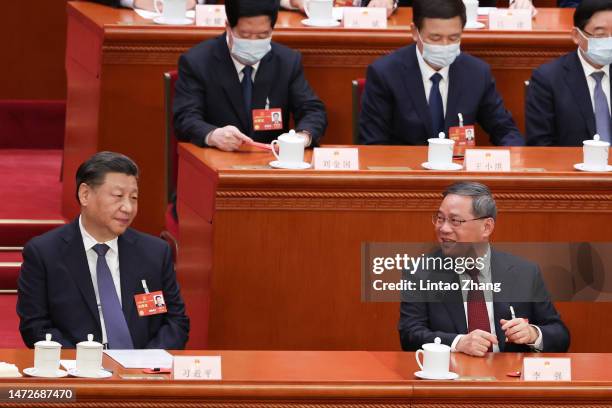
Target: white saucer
<point x="100" y="374"/>
<point x="33" y="372"/>
<point x="580" y="166"/>
<point x="291" y="166"/>
<point x="184" y="21"/>
<point x="474" y="25"/>
<point x="430" y="376"/>
<point x="445" y="167"/>
<point x="320" y="23"/>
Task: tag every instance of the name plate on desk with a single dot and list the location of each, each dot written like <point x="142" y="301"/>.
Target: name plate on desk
<point x="510" y="19"/>
<point x="336" y="159"/>
<point x="208" y="15"/>
<point x="196" y="368"/>
<point x="365" y="17"/>
<point x="547" y="369"/>
<point x="487" y="160"/>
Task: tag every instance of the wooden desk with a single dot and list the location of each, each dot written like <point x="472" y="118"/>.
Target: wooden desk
<point x="275" y="254"/>
<point x="115" y="61"/>
<point x="331" y="379"/>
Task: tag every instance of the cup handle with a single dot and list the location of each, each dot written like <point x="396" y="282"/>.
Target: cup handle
<point x="155" y="5"/>
<point x="273" y="149"/>
<point x="416" y="355"/>
<point x="306" y="8"/>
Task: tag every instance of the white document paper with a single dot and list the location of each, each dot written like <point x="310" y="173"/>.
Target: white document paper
<point x="141" y="358"/>
<point x="150" y="15"/>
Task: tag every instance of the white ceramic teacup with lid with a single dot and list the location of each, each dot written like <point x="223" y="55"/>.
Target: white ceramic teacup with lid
<point x="595" y="153"/>
<point x="47" y="357"/>
<point x="436" y="358"/>
<point x="290" y="148"/>
<point x="440" y="151"/>
<point x="89" y="357"/>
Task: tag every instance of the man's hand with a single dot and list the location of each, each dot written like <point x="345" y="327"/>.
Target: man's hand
<point x="149" y="4"/>
<point x="228" y="138"/>
<point x="476" y="343"/>
<point x="298" y="4"/>
<point x="388" y="4"/>
<point x="519" y="331"/>
<point x="524" y="4"/>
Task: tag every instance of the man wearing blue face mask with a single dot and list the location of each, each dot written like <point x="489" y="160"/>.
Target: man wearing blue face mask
<point x="568" y="99"/>
<point x="242" y="87"/>
<point x="421" y="90"/>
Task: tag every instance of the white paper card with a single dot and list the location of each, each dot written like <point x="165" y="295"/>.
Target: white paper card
<point x="150" y="15"/>
<point x="210" y="15"/>
<point x="365" y="17"/>
<point x="150" y="358"/>
<point x="510" y="19"/>
<point x="547" y="369"/>
<point x="487" y="160"/>
<point x="197" y="368"/>
<point x="326" y="158"/>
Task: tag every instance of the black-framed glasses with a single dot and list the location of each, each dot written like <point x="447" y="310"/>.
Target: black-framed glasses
<point x="439" y="220"/>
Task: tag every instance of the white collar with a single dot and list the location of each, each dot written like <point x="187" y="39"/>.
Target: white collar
<point x="90" y="241"/>
<point x="426" y="70"/>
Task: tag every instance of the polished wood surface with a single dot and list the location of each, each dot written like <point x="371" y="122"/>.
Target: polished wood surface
<point x="335" y="379"/>
<point x="276" y="253"/>
<point x="115" y="61"/>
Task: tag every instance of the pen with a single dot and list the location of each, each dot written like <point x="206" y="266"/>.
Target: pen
<point x="512" y="312"/>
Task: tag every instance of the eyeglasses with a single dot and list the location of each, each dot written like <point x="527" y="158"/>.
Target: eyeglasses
<point x="439" y="220"/>
<point x="588" y="35"/>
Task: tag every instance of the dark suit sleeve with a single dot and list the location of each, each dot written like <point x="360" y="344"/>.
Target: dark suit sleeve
<point x="308" y="110"/>
<point x="495" y="119"/>
<point x="189" y="109"/>
<point x="376" y="110"/>
<point x="555" y="335"/>
<point x="112" y="3"/>
<point x="414" y="327"/>
<point x="32" y="307"/>
<point x="568" y="3"/>
<point x="174" y="332"/>
<point x="539" y="112"/>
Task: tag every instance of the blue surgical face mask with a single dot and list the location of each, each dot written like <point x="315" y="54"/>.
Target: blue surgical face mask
<point x="440" y="56"/>
<point x="599" y="50"/>
<point x="249" y="52"/>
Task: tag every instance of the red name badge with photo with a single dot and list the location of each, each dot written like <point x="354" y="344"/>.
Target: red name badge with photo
<point x="267" y="119"/>
<point x="148" y="304"/>
<point x="464" y="137"/>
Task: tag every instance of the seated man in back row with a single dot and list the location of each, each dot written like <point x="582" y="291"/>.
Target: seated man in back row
<point x="419" y="91"/>
<point x="477" y="321"/>
<point x="229" y="87"/>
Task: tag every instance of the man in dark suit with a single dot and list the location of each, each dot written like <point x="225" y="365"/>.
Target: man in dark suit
<point x="477" y="321"/>
<point x="419" y="91"/>
<point x="568" y="99"/>
<point x="81" y="278"/>
<point x="223" y="81"/>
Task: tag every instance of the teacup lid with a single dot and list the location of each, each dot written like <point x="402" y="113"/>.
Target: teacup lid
<point x="596" y="142"/>
<point x="436" y="346"/>
<point x="47" y="343"/>
<point x="441" y="139"/>
<point x="290" y="137"/>
<point x="89" y="343"/>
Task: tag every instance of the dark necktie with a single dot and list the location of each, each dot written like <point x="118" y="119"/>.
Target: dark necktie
<point x="436" y="108"/>
<point x="478" y="317"/>
<point x="247" y="94"/>
<point x="117" y="332"/>
<point x="602" y="112"/>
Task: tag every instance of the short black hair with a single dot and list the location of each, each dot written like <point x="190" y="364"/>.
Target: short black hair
<point x="93" y="171"/>
<point x="444" y="9"/>
<point x="587" y="8"/>
<point x="483" y="204"/>
<point x="236" y="9"/>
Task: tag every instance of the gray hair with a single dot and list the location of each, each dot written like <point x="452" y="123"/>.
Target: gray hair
<point x="483" y="204"/>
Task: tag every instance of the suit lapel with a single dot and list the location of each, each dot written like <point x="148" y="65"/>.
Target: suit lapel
<point x="454" y="304"/>
<point x="128" y="267"/>
<point x="229" y="80"/>
<point x="415" y="88"/>
<point x="501" y="308"/>
<point x="266" y="74"/>
<point x="454" y="94"/>
<point x="76" y="262"/>
<point x="577" y="83"/>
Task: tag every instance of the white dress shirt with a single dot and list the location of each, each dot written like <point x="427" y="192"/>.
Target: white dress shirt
<point x="112" y="259"/>
<point x="427" y="72"/>
<point x="605" y="81"/>
<point x="484" y="276"/>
